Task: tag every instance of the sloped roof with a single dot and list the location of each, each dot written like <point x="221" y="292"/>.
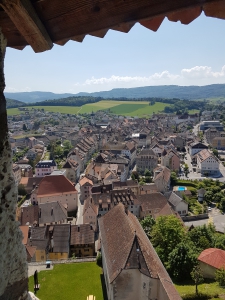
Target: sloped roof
<point x="61" y="237"/>
<point x="213" y="257"/>
<point x="58" y="184"/>
<point x="29" y="215"/>
<point x="25" y="230"/>
<point x="119" y="232"/>
<point x="42" y="23"/>
<point x="51" y="212"/>
<point x="82" y="234"/>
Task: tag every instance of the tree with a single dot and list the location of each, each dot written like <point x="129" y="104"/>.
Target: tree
<point x="220" y="241"/>
<point x="173" y="178"/>
<point x="135" y="175"/>
<point x="167" y="232"/>
<point x="202" y="236"/>
<point x="24" y="127"/>
<point x="220" y="276"/>
<point x="197" y="277"/>
<point x="21" y="190"/>
<point x="215" y="152"/>
<point x="99" y="260"/>
<point x="182" y="260"/>
<point x="147" y="224"/>
<point x="147" y="173"/>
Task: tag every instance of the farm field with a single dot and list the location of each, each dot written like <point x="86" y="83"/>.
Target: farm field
<point x="125" y="108"/>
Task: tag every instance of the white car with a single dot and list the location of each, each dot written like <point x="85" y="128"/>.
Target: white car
<point x="209" y="208"/>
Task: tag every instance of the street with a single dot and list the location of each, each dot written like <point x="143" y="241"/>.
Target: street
<point x="80" y="207"/>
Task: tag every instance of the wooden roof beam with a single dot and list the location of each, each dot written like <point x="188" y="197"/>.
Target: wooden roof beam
<point x="23" y="15"/>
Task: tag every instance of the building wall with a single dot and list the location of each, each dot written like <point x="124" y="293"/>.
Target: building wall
<point x="89" y="217"/>
<point x="66" y="199"/>
<point x="57" y="255"/>
<point x="40" y="255"/>
<point x="207" y="271"/>
<point x="40" y="172"/>
<point x="182" y="208"/>
<point x="82" y="250"/>
<point x="210" y="165"/>
<point x="219" y="143"/>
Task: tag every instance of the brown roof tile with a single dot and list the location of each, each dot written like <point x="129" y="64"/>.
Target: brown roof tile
<point x="82" y="234"/>
<point x="58" y="184"/>
<point x="119" y="232"/>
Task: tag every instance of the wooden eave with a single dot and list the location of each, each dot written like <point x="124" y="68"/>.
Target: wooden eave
<point x="39" y="23"/>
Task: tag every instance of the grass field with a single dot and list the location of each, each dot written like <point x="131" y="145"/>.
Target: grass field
<point x="69" y="281"/>
<point x="209" y="287"/>
<point x="126" y="108"/>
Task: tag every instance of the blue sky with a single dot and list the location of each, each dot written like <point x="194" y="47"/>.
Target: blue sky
<point x="179" y="54"/>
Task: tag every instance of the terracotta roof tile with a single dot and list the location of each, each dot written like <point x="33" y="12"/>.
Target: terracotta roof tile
<point x="213" y="257"/>
<point x="25" y="230"/>
<point x="52" y="185"/>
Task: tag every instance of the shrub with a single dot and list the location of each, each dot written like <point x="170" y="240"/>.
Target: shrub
<point x="200" y="296"/>
<point x="99" y="260"/>
<point x="220" y="276"/>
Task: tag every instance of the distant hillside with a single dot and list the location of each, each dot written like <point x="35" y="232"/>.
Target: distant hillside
<point x="32" y="97"/>
<point x="11" y="103"/>
<point x="164" y="91"/>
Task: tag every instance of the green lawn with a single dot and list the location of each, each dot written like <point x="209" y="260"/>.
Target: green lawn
<point x="70" y="282"/>
<point x="13" y="111"/>
<point x="209" y="287"/>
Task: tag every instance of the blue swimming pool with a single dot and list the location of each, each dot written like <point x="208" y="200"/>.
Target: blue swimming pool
<point x="181" y="188"/>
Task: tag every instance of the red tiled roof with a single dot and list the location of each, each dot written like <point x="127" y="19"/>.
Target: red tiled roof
<point x="58" y="184"/>
<point x="213" y="257"/>
<point x="24" y="230"/>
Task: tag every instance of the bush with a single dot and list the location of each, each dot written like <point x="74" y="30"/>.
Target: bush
<point x="220" y="276"/>
<point x="99" y="260"/>
<point x="200" y="296"/>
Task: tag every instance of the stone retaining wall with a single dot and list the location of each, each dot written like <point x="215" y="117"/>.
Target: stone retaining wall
<point x="195" y="218"/>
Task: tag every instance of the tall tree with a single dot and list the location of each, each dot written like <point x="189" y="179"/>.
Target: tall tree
<point x="147" y="224"/>
<point x="167" y="232"/>
<point x="197" y="277"/>
<point x="182" y="260"/>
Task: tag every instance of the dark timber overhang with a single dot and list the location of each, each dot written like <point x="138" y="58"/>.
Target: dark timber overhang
<point x="40" y="23"/>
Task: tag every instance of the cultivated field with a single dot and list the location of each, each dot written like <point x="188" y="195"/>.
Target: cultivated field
<point x="126" y="108"/>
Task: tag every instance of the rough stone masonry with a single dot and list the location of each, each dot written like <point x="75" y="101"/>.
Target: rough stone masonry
<point x="13" y="265"/>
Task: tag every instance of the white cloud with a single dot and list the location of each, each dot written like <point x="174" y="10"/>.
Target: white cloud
<point x="198" y="75"/>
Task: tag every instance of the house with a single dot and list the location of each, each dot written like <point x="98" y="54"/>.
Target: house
<point x="211" y="133"/>
<point x="218" y="143"/>
<point x="196" y="147"/>
<point x="72" y="170"/>
<point x="56" y="188"/>
<point x="161" y="178"/>
<point x="26" y="170"/>
<point x="29" y="215"/>
<point x="170" y="159"/>
<point x="154" y="205"/>
<point x="132" y="268"/>
<point x="210" y="260"/>
<point x="39" y="243"/>
<point x="59" y="242"/>
<point x="207" y="163"/>
<point x="204" y="125"/>
<point x="99" y="204"/>
<point x="178" y="204"/>
<point x="82" y="240"/>
<point x="146" y="159"/>
<point x="45" y="167"/>
<point x="51" y="213"/>
<point x="16" y="173"/>
<point x="85" y="188"/>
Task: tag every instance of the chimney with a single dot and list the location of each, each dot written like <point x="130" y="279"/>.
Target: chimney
<point x="52" y="211"/>
<point x="78" y="228"/>
<point x="91" y="199"/>
<point x="126" y="209"/>
<point x="39" y="212"/>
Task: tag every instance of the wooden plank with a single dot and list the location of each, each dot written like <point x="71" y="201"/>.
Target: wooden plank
<point x="153" y="24"/>
<point x="216" y="10"/>
<point x="23" y="15"/>
<point x="185" y="16"/>
<point x="99" y="33"/>
<point x="68" y="19"/>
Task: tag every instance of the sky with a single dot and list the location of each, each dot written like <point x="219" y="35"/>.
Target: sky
<point x="177" y="54"/>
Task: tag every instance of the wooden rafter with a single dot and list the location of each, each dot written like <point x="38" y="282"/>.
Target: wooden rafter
<point x="26" y="20"/>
